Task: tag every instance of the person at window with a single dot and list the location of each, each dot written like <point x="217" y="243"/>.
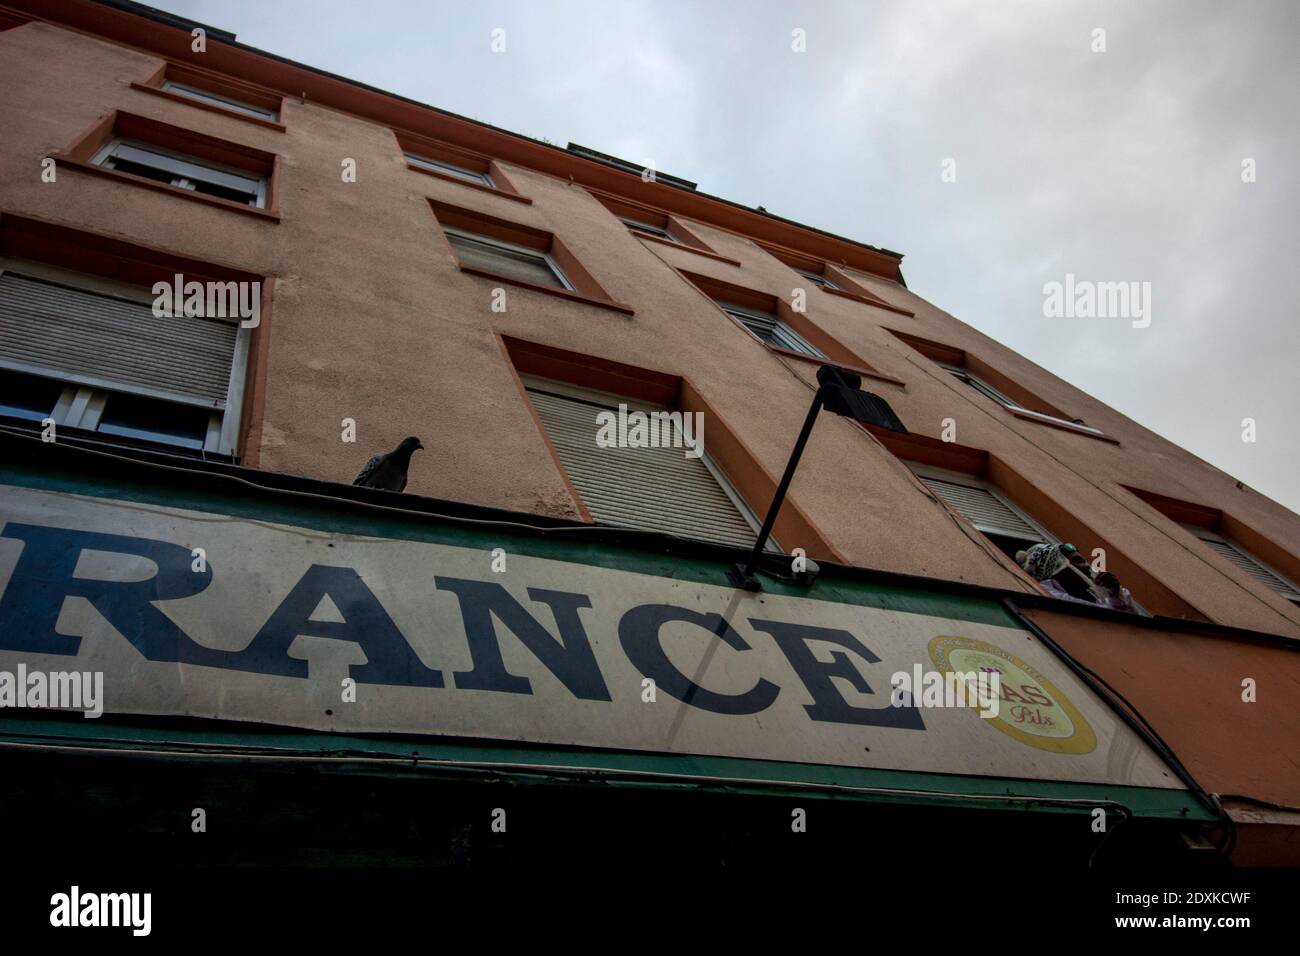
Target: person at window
<point x="1110" y="593"/>
<point x="1055" y="568"/>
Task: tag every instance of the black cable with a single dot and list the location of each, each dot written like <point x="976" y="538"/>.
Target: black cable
<point x="1136" y="722"/>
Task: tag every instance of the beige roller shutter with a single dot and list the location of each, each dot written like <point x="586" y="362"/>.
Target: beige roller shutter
<point x="985" y="510"/>
<point x="1247" y="562"/>
<point x="653" y="489"/>
<point x="100" y="340"/>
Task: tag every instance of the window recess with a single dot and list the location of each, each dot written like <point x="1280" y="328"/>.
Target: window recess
<point x="185" y="172"/>
<point x="450" y="169"/>
<point x="218" y="99"/>
<point x="982" y="386"/>
<point x="102" y="361"/>
<point x="1242" y="559"/>
<point x="817" y="279"/>
<point x="650" y="489"/>
<point x="770" y="330"/>
<point x="497" y="255"/>
<point x="646" y="227"/>
<point x="1009" y="528"/>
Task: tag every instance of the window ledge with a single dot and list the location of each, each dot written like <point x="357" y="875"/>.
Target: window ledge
<point x="1048" y="420"/>
<point x="481" y="187"/>
<point x="681" y="245"/>
<point x="858" y="369"/>
<point x="865" y="300"/>
<point x="210" y="107"/>
<point x="63" y="160"/>
<point x="548" y="290"/>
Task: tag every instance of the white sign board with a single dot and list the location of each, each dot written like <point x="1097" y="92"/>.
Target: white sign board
<point x="211" y="615"/>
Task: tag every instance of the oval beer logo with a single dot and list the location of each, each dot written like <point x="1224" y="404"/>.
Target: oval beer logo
<point x="1030" y="708"/>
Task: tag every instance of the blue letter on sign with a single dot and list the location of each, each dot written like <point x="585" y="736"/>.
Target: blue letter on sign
<point x="31" y="603"/>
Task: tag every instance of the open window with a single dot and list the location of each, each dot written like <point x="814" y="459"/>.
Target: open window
<point x="181" y="162"/>
<point x="995" y="386"/>
<point x="1008" y="527"/>
<point x="185" y="172"/>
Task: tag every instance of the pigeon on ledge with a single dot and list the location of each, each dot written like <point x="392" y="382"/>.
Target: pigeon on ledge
<point x="389" y="471"/>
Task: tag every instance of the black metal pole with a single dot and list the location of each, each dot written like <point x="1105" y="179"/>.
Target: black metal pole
<point x="744" y="577"/>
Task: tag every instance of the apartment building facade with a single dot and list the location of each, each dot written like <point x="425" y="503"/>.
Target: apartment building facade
<point x="405" y="271"/>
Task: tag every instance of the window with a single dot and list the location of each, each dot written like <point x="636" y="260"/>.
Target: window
<point x="651" y="489"/>
<point x="228" y="102"/>
<point x="996" y="518"/>
<point x="450" y="169"/>
<point x="646" y="227"/>
<point x="186" y="172"/>
<point x="183" y="162"/>
<point x="767" y="328"/>
<point x="1010" y="529"/>
<point x="92" y="355"/>
<point x="980" y="385"/>
<point x="819" y="280"/>
<point x="1245" y="561"/>
<point x="28" y="397"/>
<point x="506" y="258"/>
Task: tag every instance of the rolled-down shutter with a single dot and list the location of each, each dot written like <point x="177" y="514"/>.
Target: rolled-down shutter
<point x="99" y="340"/>
<point x="530" y="267"/>
<point x="654" y="489"/>
<point x="1247" y="563"/>
<point x="983" y="509"/>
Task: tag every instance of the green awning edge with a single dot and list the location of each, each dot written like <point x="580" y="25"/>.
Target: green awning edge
<point x="541" y="765"/>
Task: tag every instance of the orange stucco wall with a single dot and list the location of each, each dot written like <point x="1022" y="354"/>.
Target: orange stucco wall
<point x="1189" y="687"/>
<point x="1192" y="689"/>
<point x="373" y="321"/>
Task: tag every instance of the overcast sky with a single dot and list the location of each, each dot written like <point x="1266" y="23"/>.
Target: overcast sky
<point x="1115" y="166"/>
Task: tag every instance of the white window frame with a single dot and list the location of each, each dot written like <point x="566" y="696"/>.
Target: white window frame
<point x="1284" y="586"/>
<point x="611" y="401"/>
<point x="450" y="169"/>
<point x="640" y="226"/>
<point x="218" y="99"/>
<point x="185" y="170"/>
<point x="81" y="405"/>
<point x="961" y="478"/>
<point x="516" y="249"/>
<point x="983" y="387"/>
<point x="794" y="341"/>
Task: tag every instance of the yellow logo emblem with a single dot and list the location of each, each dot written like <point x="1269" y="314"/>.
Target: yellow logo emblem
<point x="1030" y="707"/>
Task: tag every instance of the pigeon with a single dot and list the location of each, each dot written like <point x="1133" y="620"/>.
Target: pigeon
<point x="389" y="471"/>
